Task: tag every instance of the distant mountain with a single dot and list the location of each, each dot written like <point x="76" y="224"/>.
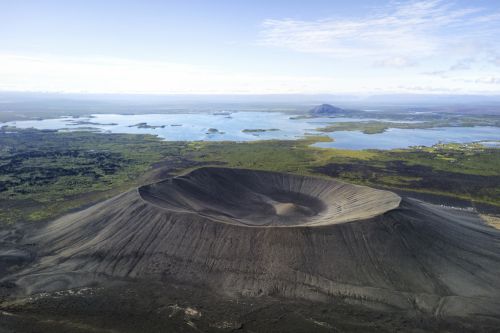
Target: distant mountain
<point x="325" y="110"/>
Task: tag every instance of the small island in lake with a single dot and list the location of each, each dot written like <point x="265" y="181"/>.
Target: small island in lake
<point x="260" y="130"/>
<point x="146" y="125"/>
<point x="87" y="122"/>
<point x="214" y="131"/>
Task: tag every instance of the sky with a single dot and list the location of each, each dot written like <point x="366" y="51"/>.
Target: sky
<point x="251" y="47"/>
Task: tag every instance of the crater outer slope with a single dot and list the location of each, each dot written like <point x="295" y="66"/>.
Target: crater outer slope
<point x="243" y="232"/>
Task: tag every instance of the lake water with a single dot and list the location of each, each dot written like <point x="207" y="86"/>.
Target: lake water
<point x="230" y="126"/>
<point x="401" y="138"/>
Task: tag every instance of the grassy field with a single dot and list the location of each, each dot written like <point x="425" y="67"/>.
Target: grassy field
<point x="374" y="127"/>
<point x="44" y="174"/>
<point x="469" y="172"/>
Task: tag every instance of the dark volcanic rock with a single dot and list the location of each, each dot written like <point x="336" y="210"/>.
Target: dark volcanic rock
<point x="254" y="233"/>
<point x="325" y="110"/>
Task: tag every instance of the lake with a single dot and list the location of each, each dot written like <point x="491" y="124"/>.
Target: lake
<point x="231" y="126"/>
<point x="401" y="138"/>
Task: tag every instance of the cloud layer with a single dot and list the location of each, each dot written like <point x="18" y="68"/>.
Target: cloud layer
<point x="118" y="75"/>
<point x="426" y="46"/>
<point x="399" y="34"/>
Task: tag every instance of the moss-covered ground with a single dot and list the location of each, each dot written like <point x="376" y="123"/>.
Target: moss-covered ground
<point x="44" y="174"/>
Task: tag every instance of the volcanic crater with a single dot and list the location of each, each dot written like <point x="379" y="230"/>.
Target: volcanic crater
<point x="255" y="233"/>
<point x="257" y="198"/>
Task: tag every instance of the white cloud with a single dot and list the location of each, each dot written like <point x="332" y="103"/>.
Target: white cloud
<point x="442" y="73"/>
<point x="410" y="30"/>
<point x="116" y="75"/>
<point x="488" y="80"/>
<point x="398" y="62"/>
<point x="462" y="64"/>
<point x="496" y="60"/>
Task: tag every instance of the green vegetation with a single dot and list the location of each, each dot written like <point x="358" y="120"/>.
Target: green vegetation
<point x="44" y="174"/>
<point x="464" y="171"/>
<point x="259" y="130"/>
<point x="87" y="122"/>
<point x="468" y="171"/>
<point x="374" y="127"/>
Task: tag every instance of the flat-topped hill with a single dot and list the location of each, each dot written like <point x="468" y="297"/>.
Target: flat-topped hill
<point x="325" y="110"/>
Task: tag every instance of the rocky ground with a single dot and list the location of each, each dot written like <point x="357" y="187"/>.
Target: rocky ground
<point x="169" y="307"/>
<point x="190" y="254"/>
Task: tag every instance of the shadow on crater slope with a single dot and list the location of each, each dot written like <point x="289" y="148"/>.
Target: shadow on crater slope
<point x="253" y="233"/>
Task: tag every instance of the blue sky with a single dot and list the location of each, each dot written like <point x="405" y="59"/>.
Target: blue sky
<point x="251" y="47"/>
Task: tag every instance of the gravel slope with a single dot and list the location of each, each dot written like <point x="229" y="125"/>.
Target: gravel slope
<point x="252" y="233"/>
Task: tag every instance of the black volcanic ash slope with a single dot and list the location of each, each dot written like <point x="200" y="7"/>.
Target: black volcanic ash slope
<point x="260" y="233"/>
